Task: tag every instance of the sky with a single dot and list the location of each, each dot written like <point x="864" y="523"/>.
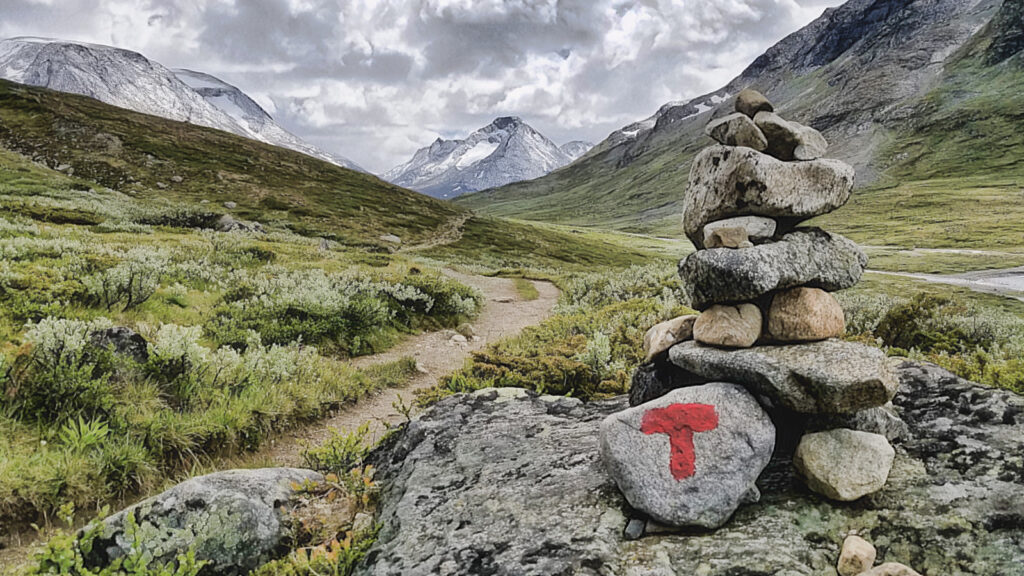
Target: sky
<point x="374" y="80"/>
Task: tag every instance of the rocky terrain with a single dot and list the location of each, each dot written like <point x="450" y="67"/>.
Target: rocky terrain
<point x="506" y="482"/>
<point x="130" y="80"/>
<point x="506" y="150"/>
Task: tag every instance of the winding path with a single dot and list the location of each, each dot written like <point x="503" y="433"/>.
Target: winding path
<point x="504" y="314"/>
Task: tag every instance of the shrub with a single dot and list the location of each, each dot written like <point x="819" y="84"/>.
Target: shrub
<point x="128" y="283"/>
<point x="339" y="453"/>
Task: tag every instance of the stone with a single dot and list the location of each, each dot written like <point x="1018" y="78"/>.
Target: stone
<point x="236" y="520"/>
<point x="807" y="257"/>
<point x="735" y="237"/>
<point x="161" y="185"/>
<point x="879" y="420"/>
<point x="805" y="315"/>
<point x="391" y="238"/>
<point x="856" y="556"/>
<point x="634" y="529"/>
<point x="892" y="569"/>
<point x="123" y="342"/>
<point x="737" y="130"/>
<point x="660" y="337"/>
<point x="844" y="464"/>
<point x="362" y="523"/>
<point x="459" y="339"/>
<point x="726" y="182"/>
<point x="828" y="377"/>
<point x="750" y="102"/>
<point x="227" y="223"/>
<point x="230" y="205"/>
<point x="729" y="326"/>
<point x="655" y="379"/>
<point x="691" y="457"/>
<point x="790" y="140"/>
<point x="177" y="179"/>
<point x="466" y="329"/>
<point x="759" y="229"/>
<point x="480" y="484"/>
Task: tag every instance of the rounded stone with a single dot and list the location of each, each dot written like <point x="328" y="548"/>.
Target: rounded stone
<point x="844" y="464"/>
<point x="729" y="326"/>
<point x="759" y="229"/>
<point x="737" y="130"/>
<point x="856" y="556"/>
<point x="790" y="140"/>
<point x="691" y="457"/>
<point x="805" y="315"/>
<point x="750" y="102"/>
<point x="662" y="336"/>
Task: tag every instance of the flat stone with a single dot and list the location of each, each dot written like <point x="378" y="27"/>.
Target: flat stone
<point x="805" y="315"/>
<point x="735" y="237"/>
<point x="856" y="556"/>
<point x="726" y="182"/>
<point x="729" y="326"/>
<point x="737" y="130"/>
<point x="691" y="457"/>
<point x="759" y="229"/>
<point x="235" y="520"/>
<point x="881" y="420"/>
<point x="634" y="529"/>
<point x="750" y="102"/>
<point x="844" y="464"/>
<point x="828" y="377"/>
<point x="655" y="379"/>
<point x="790" y="140"/>
<point x="660" y="337"/>
<point x="891" y="569"/>
<point x="807" y="257"/>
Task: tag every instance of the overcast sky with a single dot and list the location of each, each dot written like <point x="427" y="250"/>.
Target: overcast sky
<point x="374" y="80"/>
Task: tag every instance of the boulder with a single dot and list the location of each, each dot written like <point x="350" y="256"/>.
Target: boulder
<point x="121" y="341"/>
<point x="879" y="420"/>
<point x="391" y="238"/>
<point x="790" y="140"/>
<point x="735" y="237"/>
<point x="729" y="326"/>
<point x="844" y="464"/>
<point x="655" y="379"/>
<point x="805" y="315"/>
<point x="230" y="205"/>
<point x="759" y="229"/>
<point x="235" y="520"/>
<point x="691" y="457"/>
<point x="856" y="556"/>
<point x="749" y="102"/>
<point x="737" y="130"/>
<point x="228" y="223"/>
<point x="494" y="483"/>
<point x="727" y="182"/>
<point x="660" y="337"/>
<point x="892" y="569"/>
<point x="807" y="257"/>
<point x="828" y="377"/>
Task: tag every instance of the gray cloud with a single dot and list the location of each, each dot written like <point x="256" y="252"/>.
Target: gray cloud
<point x="376" y="79"/>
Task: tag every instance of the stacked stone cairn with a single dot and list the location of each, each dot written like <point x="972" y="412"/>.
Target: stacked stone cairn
<point x="762" y="363"/>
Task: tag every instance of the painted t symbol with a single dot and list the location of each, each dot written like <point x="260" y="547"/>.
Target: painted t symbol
<point x="680" y="421"/>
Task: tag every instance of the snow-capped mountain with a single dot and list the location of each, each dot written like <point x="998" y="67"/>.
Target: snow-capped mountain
<point x="130" y="80"/>
<point x="506" y="150"/>
<point x="576" y="148"/>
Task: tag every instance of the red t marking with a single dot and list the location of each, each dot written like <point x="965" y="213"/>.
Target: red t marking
<point x="680" y="421"/>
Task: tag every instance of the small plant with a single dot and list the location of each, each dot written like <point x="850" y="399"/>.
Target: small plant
<point x="340" y="453"/>
<point x="82" y="435"/>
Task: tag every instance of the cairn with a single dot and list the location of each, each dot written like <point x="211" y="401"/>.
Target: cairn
<point x="762" y="359"/>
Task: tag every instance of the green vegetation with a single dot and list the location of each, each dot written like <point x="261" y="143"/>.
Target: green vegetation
<point x="526" y="289"/>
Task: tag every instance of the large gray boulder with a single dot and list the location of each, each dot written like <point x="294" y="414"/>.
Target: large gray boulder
<point x="727" y="182"/>
<point x="235" y="520"/>
<point x="807" y="257"/>
<point x="737" y="130"/>
<point x="493" y="484"/>
<point x="790" y="140"/>
<point x="828" y="377"/>
<point x="691" y="457"/>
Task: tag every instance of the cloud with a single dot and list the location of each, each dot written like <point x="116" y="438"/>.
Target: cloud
<point x="376" y="79"/>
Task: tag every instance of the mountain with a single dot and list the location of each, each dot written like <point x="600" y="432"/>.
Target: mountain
<point x="903" y="89"/>
<point x="576" y="149"/>
<point x="506" y="150"/>
<point x="130" y="80"/>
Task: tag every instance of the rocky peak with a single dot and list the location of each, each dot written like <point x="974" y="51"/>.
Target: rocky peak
<point x="1007" y="32"/>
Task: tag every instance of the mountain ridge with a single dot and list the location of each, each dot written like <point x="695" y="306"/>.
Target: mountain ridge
<point x="132" y="81"/>
<point x="506" y="150"/>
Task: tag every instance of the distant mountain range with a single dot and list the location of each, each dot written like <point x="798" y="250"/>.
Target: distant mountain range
<point x="903" y="89"/>
<point x="130" y="80"/>
<point x="506" y="150"/>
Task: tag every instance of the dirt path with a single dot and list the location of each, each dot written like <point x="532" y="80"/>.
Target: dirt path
<point x="504" y="314"/>
<point x="449" y="233"/>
